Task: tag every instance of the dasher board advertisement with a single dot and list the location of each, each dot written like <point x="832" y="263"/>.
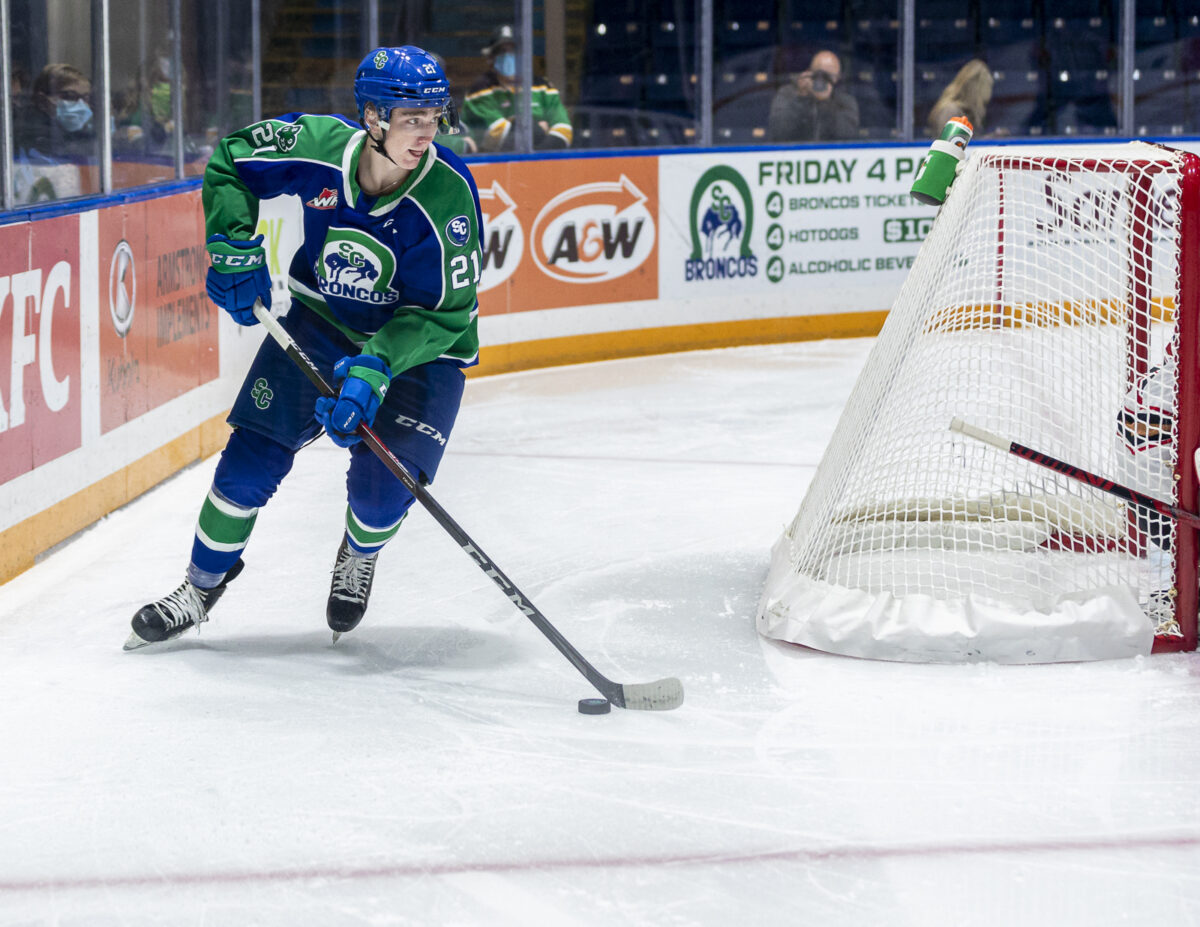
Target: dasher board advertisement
<point x="40" y="403"/>
<point x="158" y="331"/>
<point x="570" y="232"/>
<point x="836" y="229"/>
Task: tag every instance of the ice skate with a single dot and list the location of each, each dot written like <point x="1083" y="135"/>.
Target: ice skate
<point x="350" y="590"/>
<point x="186" y="607"/>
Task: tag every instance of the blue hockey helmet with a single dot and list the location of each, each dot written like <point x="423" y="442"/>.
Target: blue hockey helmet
<point x="406" y="76"/>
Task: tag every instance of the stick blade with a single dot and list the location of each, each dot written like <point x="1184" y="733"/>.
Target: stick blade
<point x="661" y="695"/>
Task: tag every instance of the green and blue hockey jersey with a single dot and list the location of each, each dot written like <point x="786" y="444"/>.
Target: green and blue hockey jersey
<point x="396" y="273"/>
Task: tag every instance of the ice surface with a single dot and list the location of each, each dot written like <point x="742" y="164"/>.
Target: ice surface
<point x="431" y="768"/>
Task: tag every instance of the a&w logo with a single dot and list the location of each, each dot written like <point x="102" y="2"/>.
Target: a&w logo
<point x="721" y="217"/>
<point x="353" y="265"/>
<point x="594" y="232"/>
<point x="503" y="239"/>
<point x="326" y="199"/>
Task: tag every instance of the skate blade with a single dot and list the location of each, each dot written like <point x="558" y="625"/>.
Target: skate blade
<point x="336" y="635"/>
<point x="134" y="642"/>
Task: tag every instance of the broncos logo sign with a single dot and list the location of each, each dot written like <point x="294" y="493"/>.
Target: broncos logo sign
<point x="721" y="220"/>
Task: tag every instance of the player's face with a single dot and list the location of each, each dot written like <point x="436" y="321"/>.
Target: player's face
<point x="410" y="133"/>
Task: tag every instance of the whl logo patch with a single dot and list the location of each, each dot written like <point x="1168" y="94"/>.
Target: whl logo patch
<point x="326" y="199"/>
<point x="353" y="265"/>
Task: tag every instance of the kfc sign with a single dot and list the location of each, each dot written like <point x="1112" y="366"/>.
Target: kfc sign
<point x="39" y="344"/>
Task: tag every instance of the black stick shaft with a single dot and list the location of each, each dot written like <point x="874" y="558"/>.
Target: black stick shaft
<point x="612" y="691"/>
<point x="1078" y="473"/>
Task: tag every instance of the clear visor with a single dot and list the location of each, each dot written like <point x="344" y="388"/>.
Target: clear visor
<point x="434" y="120"/>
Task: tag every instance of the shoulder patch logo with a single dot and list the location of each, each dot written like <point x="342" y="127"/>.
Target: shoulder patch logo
<point x="285" y="137"/>
<point x="458" y="230"/>
<point x="326" y="199"/>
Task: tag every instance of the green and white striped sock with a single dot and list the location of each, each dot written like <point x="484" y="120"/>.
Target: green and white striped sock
<point x="224" y="527"/>
<point x="369" y="539"/>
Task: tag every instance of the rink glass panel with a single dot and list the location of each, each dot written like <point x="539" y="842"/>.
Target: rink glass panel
<point x="46" y="164"/>
<point x="141" y="63"/>
<point x="632" y="75"/>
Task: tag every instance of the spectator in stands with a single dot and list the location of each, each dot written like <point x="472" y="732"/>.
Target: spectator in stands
<point x="489" y="110"/>
<point x="813" y="107"/>
<point x="53" y="132"/>
<point x="57" y="125"/>
<point x="143" y="110"/>
<point x="968" y="94"/>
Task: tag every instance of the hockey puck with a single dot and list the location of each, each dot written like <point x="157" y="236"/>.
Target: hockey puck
<point x="594" y="706"/>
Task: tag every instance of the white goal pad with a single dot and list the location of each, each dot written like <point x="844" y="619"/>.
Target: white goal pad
<point x="1053" y="303"/>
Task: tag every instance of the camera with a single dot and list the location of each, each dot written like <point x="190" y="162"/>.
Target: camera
<point x="821" y="81"/>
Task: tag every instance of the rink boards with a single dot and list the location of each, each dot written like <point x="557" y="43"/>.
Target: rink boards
<point x="115" y="371"/>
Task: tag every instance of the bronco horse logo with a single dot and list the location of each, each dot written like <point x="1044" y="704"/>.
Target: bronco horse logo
<point x="720" y="219"/>
<point x="354" y="265"/>
<point x="349" y="267"/>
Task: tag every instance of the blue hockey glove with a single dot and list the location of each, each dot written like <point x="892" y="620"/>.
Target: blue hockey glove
<point x="238" y="276"/>
<point x="364" y="383"/>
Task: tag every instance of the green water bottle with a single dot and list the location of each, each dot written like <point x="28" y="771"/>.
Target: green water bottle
<point x="936" y="172"/>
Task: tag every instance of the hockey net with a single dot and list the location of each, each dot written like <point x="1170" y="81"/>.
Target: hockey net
<point x="1053" y="303"/>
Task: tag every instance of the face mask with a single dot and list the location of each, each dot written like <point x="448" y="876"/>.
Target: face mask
<point x="506" y="64"/>
<point x="73" y="115"/>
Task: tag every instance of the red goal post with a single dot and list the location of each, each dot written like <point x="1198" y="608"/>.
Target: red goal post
<point x="1055" y="302"/>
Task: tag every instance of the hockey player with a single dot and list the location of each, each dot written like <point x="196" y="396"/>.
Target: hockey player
<point x="382" y="300"/>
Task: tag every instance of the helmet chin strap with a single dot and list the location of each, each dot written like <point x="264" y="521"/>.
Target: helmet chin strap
<point x="378" y="143"/>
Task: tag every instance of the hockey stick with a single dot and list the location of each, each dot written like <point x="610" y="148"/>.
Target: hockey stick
<point x="1078" y="473"/>
<point x="660" y="695"/>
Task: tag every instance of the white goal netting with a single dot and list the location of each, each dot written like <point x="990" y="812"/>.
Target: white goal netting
<point x="1043" y="307"/>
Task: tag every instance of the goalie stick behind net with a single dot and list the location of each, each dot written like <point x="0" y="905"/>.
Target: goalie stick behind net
<point x="1048" y="296"/>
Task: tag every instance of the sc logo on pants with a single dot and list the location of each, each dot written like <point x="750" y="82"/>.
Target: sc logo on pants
<point x="261" y="393"/>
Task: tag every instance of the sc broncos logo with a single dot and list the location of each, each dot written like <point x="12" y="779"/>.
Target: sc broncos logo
<point x="721" y="219"/>
<point x="353" y="265"/>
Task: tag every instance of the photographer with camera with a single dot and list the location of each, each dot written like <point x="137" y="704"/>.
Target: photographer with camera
<point x="812" y="107"/>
